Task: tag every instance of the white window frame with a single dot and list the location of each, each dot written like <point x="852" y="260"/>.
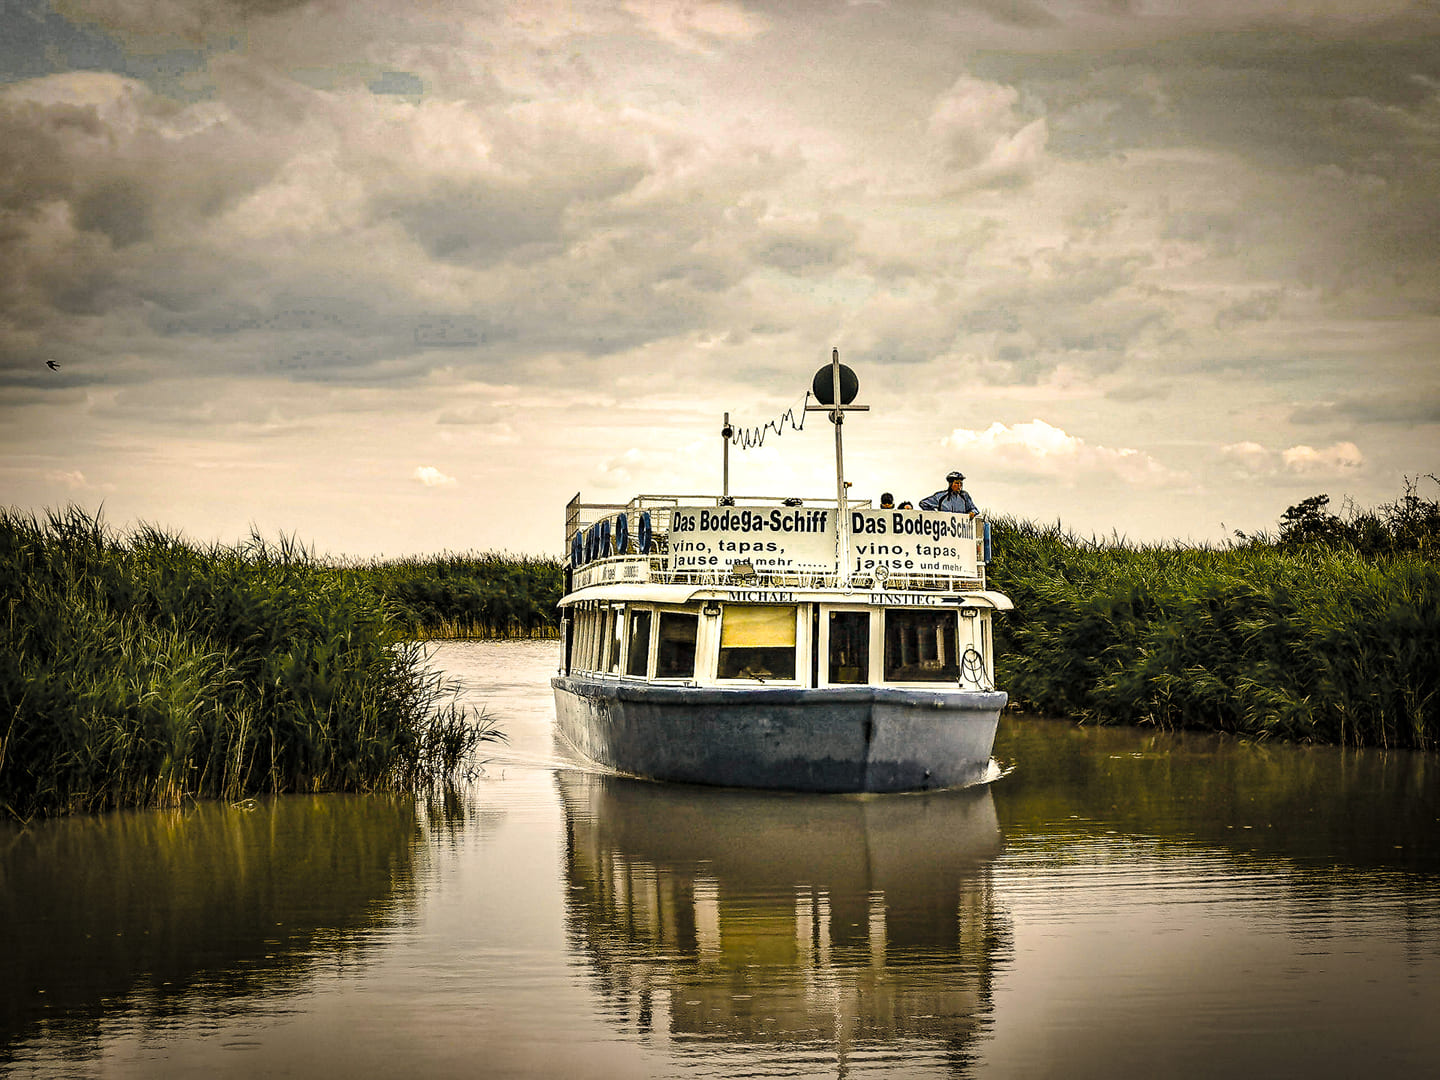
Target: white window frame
<point x="877" y="644"/>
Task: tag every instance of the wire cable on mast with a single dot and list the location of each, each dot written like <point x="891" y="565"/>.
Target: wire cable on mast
<point x="749" y="438"/>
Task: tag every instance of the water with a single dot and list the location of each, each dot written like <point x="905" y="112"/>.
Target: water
<point x="1120" y="903"/>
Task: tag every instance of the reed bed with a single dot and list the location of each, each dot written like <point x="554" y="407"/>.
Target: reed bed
<point x="1307" y="643"/>
<point x="454" y="630"/>
<point x="144" y="670"/>
<point x="470" y="595"/>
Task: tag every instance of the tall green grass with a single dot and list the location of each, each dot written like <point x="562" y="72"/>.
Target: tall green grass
<point x="1311" y="644"/>
<point x="470" y="595"/>
<point x="143" y="670"/>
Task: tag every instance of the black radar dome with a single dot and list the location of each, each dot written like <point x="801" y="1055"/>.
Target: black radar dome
<point x="824" y="386"/>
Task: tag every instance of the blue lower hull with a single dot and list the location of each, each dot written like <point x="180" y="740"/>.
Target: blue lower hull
<point x="836" y="739"/>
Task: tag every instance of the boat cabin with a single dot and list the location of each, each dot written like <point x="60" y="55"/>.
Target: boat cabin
<point x="749" y="592"/>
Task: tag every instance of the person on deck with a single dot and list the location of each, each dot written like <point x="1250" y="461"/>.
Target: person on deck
<point x="887" y="501"/>
<point x="954" y="499"/>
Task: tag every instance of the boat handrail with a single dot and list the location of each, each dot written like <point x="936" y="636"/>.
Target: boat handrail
<point x="581" y="515"/>
<point x="652" y="570"/>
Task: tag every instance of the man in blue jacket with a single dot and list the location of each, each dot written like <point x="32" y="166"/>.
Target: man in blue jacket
<point x="954" y="499"/>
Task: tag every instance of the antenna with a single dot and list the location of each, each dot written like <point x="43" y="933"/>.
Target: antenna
<point x="747" y="438"/>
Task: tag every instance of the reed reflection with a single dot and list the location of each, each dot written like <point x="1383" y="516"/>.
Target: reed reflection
<point x="863" y="928"/>
<point x="1323" y="805"/>
<point x="158" y="918"/>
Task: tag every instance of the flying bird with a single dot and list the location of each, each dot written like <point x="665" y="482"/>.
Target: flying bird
<point x="52" y="365"/>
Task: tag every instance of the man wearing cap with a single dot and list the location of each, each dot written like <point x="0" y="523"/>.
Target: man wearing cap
<point x="955" y="499"/>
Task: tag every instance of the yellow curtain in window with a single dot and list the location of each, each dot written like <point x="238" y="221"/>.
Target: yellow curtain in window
<point x="765" y="627"/>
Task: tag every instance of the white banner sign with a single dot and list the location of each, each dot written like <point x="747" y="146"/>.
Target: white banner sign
<point x="769" y="538"/>
<point x="916" y="542"/>
<point x="905" y="542"/>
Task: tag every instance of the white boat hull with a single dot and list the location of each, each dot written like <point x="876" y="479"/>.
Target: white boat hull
<point x="832" y="739"/>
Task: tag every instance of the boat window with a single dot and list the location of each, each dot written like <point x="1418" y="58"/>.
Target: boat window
<point x="587" y="640"/>
<point x="920" y="646"/>
<point x="615" y="622"/>
<point x="985" y="647"/>
<point x="757" y="642"/>
<point x="849" y="647"/>
<point x="592" y="640"/>
<point x="675" y="652"/>
<point x="815" y="637"/>
<point x="639" y="659"/>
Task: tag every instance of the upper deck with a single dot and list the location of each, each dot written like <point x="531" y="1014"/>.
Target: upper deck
<point x="772" y="542"/>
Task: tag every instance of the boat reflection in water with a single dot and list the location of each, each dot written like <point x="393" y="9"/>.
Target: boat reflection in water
<point x="859" y="928"/>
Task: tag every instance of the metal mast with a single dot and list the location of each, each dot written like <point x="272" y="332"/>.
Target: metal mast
<point x="837" y="407"/>
<point x="725" y="433"/>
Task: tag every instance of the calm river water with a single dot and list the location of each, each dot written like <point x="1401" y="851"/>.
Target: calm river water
<point x="1120" y="903"/>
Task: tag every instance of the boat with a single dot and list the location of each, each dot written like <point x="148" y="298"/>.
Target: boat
<point x="780" y="642"/>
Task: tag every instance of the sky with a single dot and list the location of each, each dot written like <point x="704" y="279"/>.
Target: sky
<point x="396" y="277"/>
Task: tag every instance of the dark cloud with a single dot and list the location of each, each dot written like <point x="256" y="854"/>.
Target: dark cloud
<point x="478" y="223"/>
<point x="311" y="337"/>
<point x="1345" y="116"/>
<point x="1068" y="309"/>
<point x="1220" y="231"/>
<point x="1027" y="14"/>
<point x="36" y="40"/>
<point x="485" y="219"/>
<point x="1002" y="317"/>
<point x="806" y="247"/>
<point x="146" y="19"/>
<point x="104" y="190"/>
<point x="1142" y="391"/>
<point x="1260" y="306"/>
<point x="124" y="150"/>
<point x="260" y="7"/>
<point x="397" y="82"/>
<point x="119" y="208"/>
<point x="1306" y="101"/>
<point x="1407" y="410"/>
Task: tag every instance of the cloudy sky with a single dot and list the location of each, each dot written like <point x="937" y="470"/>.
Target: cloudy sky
<point x="398" y="276"/>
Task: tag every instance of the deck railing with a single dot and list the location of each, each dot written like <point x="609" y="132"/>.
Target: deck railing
<point x="653" y="567"/>
<point x="580" y="515"/>
<point x="652" y="570"/>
